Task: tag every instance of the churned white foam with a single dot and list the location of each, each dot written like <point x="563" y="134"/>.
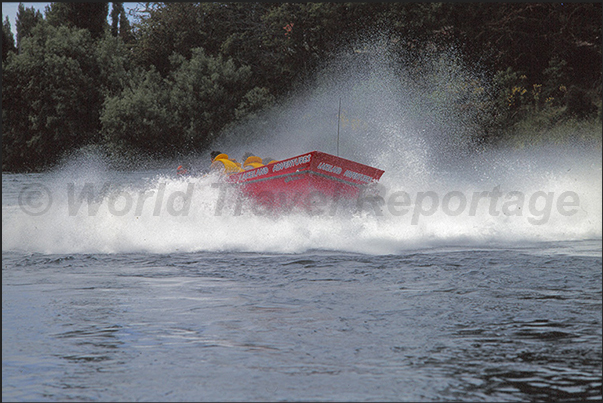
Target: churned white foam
<point x="516" y="201"/>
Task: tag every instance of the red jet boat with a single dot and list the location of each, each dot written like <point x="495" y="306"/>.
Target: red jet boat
<point x="308" y="176"/>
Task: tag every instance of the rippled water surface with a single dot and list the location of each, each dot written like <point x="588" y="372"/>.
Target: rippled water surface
<point x="520" y="324"/>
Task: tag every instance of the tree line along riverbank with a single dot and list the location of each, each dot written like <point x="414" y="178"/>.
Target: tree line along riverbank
<point x="82" y="75"/>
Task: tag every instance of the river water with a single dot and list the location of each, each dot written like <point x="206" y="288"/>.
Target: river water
<point x="142" y="298"/>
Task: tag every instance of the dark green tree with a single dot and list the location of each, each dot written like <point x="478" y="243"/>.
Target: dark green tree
<point x="165" y="28"/>
<point x="91" y="16"/>
<point x="8" y="40"/>
<point x="527" y="36"/>
<point x="235" y="30"/>
<point x="50" y="97"/>
<point x="300" y="37"/>
<point x="205" y="91"/>
<point x="120" y="25"/>
<point x="240" y="37"/>
<point x="138" y="118"/>
<point x="116" y="10"/>
<point x="114" y="65"/>
<point x="182" y="112"/>
<point x="27" y="19"/>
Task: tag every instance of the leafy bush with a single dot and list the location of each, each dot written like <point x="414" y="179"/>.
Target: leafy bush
<point x="50" y="97"/>
<point x="184" y="111"/>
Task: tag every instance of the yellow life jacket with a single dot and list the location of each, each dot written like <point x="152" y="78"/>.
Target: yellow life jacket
<point x="253" y="162"/>
<point x="222" y="163"/>
<point x="221" y="157"/>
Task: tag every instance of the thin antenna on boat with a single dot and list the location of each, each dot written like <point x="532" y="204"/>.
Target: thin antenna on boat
<point x="338" y="120"/>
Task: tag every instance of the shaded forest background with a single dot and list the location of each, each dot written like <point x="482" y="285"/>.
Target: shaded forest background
<point x="81" y="75"/>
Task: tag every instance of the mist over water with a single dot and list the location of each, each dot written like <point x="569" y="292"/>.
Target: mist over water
<point x="408" y="120"/>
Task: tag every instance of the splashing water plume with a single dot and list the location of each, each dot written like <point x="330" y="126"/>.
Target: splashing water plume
<point x="414" y="120"/>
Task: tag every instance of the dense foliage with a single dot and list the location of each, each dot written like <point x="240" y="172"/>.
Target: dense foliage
<point x="81" y="74"/>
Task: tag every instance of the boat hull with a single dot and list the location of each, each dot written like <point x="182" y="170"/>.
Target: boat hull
<point x="305" y="180"/>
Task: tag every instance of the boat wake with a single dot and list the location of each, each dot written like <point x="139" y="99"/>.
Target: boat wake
<point x="494" y="200"/>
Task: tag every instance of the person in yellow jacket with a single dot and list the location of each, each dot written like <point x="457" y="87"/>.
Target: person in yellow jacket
<point x="222" y="163"/>
<point x="252" y="162"/>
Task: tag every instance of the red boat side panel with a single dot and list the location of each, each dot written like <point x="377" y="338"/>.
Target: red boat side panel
<point x="299" y="176"/>
<point x="343" y="169"/>
<point x="274" y="170"/>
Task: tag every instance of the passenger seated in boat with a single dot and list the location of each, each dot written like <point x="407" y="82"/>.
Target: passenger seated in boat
<point x="268" y="160"/>
<point x="252" y="162"/>
<point x="256" y="160"/>
<point x="214" y="154"/>
<point x="222" y="163"/>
